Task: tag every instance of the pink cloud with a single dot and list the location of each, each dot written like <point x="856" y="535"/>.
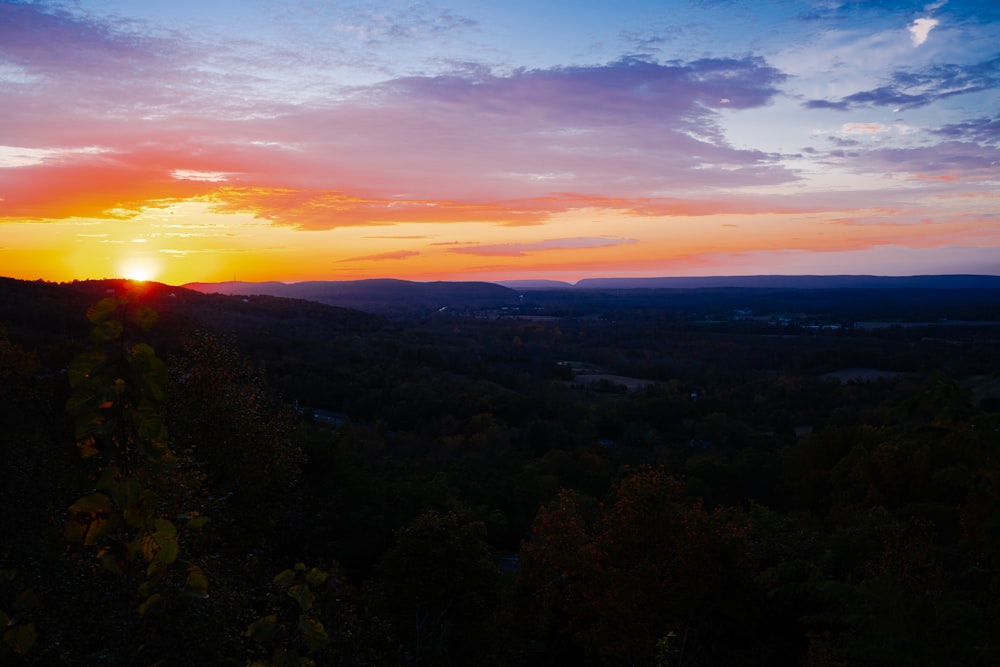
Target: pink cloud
<point x="522" y="249"/>
<point x="479" y="146"/>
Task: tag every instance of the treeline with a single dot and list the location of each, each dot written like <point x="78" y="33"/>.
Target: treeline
<point x="470" y="505"/>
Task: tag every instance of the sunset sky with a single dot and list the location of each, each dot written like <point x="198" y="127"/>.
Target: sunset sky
<point x="479" y="140"/>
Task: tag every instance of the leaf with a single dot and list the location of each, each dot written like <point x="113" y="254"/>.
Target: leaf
<point x="96" y="502"/>
<point x="196" y="584"/>
<point x="106" y="331"/>
<point x="151" y="429"/>
<point x="313" y="632"/>
<point x="149" y="603"/>
<point x="284" y="578"/>
<point x="160" y="547"/>
<point x="102" y="310"/>
<point x="151" y="372"/>
<point x="301" y="594"/>
<point x="87" y="447"/>
<point x="83" y="367"/>
<point x="20" y="638"/>
<point x="125" y="493"/>
<point x="87" y="529"/>
<point x="198" y="522"/>
<point x="316" y="577"/>
<point x="144" y="317"/>
<point x="263" y="630"/>
<point x="110" y="563"/>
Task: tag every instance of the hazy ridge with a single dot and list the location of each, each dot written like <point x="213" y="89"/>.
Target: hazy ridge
<point x="958" y="281"/>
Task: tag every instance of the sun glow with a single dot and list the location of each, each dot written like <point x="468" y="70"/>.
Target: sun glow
<point x="139" y="269"/>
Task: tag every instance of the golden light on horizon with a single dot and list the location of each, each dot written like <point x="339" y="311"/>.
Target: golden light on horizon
<point x="139" y="268"/>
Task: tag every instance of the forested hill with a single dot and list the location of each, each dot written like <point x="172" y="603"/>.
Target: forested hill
<point x="377" y="295"/>
<point x="47" y="314"/>
<point x="602" y="478"/>
<point x="915" y="297"/>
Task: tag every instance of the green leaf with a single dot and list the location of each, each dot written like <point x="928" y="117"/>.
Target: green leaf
<point x="83" y="367"/>
<point x="110" y="563"/>
<point x="198" y="522"/>
<point x="313" y="632"/>
<point x="159" y="547"/>
<point x="20" y="638"/>
<point x="149" y="423"/>
<point x="263" y="630"/>
<point x="144" y="317"/>
<point x="149" y="603"/>
<point x="284" y="578"/>
<point x="106" y="331"/>
<point x="125" y="492"/>
<point x="316" y="577"/>
<point x="196" y="584"/>
<point x="88" y="529"/>
<point x="301" y="594"/>
<point x="150" y="371"/>
<point x="103" y="309"/>
<point x="96" y="502"/>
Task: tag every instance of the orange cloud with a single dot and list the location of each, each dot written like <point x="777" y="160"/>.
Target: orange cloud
<point x="98" y="188"/>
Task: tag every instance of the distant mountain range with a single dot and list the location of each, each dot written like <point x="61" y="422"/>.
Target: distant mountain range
<point x="776" y="282"/>
<point x="390" y="295"/>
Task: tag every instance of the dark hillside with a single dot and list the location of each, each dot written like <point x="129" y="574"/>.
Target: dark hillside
<point x="379" y="295"/>
<point x="899" y="304"/>
<point x="583" y="475"/>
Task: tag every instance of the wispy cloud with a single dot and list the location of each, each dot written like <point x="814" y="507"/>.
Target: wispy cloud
<point x="984" y="130"/>
<point x="383" y="256"/>
<point x="908" y="89"/>
<point x="522" y="249"/>
<point x="456" y="144"/>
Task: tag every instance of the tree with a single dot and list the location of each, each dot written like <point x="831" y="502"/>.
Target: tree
<point x="439" y="589"/>
<point x="223" y="415"/>
<point x="652" y="573"/>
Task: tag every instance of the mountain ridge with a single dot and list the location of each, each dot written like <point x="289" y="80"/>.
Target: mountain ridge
<point x="382" y="286"/>
<point x="392" y="295"/>
<point x="843" y="281"/>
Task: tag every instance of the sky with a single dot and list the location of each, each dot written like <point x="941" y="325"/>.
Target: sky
<point x="295" y="140"/>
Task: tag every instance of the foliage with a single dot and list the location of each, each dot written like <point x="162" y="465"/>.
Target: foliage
<point x="439" y="587"/>
<point x="649" y="564"/>
<point x="312" y="616"/>
<point x="299" y="636"/>
<point x="745" y="509"/>
<point x="19" y="633"/>
<point x="118" y="386"/>
<point x="222" y="414"/>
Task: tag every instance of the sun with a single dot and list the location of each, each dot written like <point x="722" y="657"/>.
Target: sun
<point x="139" y="269"/>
